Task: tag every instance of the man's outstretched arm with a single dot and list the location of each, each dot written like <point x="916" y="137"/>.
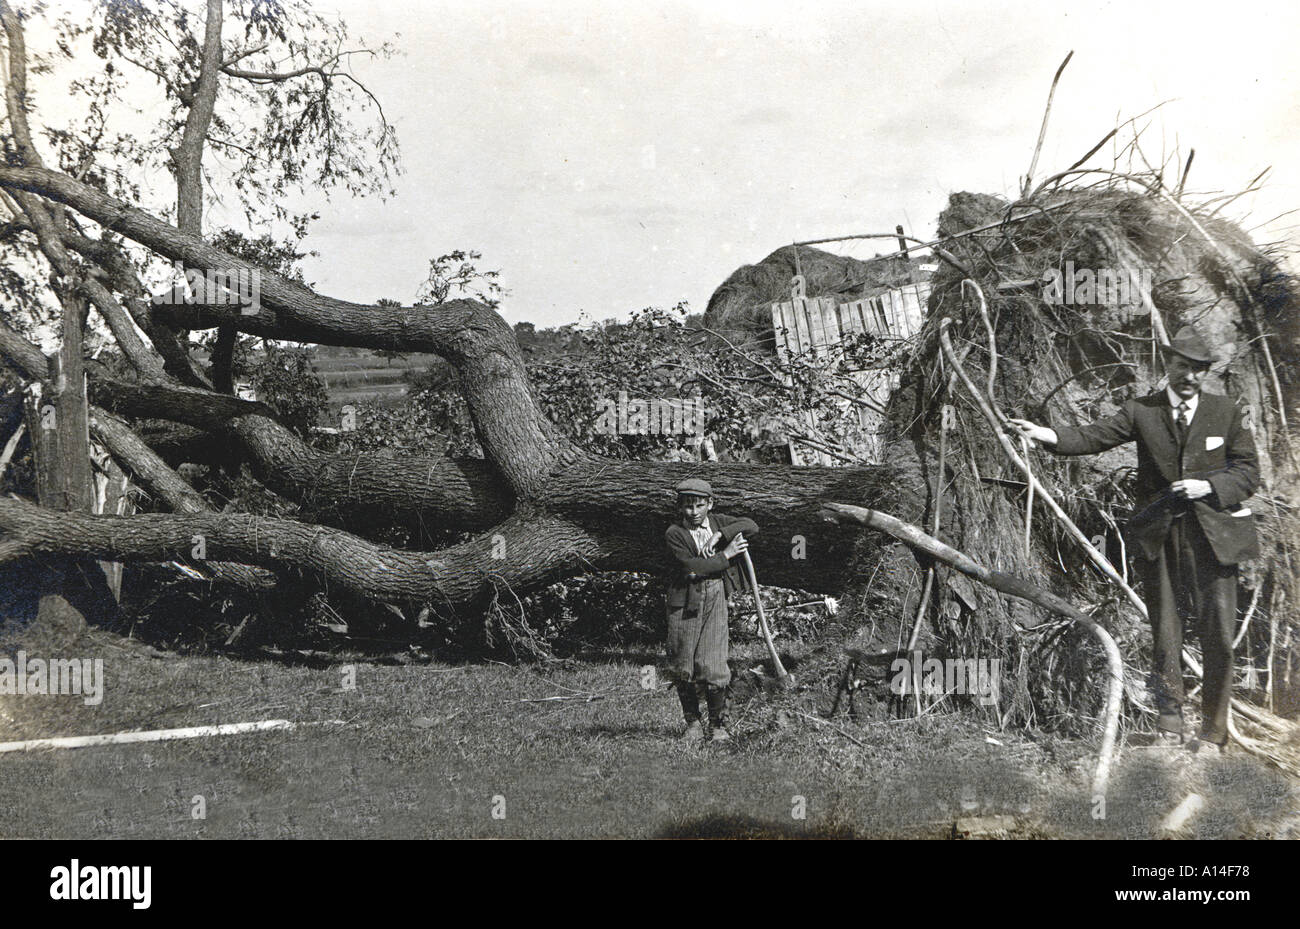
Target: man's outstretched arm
<point x="1080" y="440"/>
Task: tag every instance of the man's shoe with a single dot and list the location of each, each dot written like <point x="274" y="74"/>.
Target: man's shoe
<point x="1167" y="739"/>
<point x="694" y="732"/>
<point x="720" y="734"/>
<point x="1203" y="746"/>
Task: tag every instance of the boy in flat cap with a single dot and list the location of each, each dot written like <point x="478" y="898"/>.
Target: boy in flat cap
<point x="702" y="544"/>
<point x="1196" y="464"/>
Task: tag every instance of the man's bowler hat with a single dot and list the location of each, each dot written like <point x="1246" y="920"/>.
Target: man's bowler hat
<point x="1190" y="345"/>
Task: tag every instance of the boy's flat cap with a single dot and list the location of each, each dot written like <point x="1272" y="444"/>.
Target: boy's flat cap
<point x="694" y="487"/>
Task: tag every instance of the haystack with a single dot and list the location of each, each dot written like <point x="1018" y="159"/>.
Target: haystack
<point x="741" y="307"/>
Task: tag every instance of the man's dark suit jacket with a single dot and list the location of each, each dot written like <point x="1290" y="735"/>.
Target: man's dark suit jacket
<point x="690" y="569"/>
<point x="1218" y="449"/>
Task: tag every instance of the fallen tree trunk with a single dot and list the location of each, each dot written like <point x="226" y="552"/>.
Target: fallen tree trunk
<point x="531" y="552"/>
<point x="610" y="516"/>
<point x="546" y="507"/>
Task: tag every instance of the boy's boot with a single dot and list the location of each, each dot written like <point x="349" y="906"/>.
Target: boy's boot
<point x="690" y="700"/>
<point x="717" y="698"/>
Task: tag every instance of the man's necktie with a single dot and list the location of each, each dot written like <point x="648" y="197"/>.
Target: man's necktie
<point x="1181" y="422"/>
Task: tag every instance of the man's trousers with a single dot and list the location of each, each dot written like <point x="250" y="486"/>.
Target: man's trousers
<point x="1186" y="582"/>
<point x="698" y="640"/>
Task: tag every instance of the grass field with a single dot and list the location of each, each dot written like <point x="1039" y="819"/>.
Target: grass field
<point x="577" y="750"/>
<point x="368" y="377"/>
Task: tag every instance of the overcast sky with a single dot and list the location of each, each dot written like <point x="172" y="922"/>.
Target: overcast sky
<point x="610" y="157"/>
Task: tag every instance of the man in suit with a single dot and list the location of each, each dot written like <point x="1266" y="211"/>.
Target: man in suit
<point x="1196" y="466"/>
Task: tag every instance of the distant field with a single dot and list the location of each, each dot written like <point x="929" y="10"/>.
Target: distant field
<point x="368" y="377"/>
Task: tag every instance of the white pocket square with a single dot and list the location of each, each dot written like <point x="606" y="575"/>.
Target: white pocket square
<point x="1212" y="442"/>
<point x="1244" y="511"/>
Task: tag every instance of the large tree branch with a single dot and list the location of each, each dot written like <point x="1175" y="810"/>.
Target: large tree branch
<point x="202" y="408"/>
<point x="48" y="223"/>
<point x="133" y="455"/>
<point x="22" y="355"/>
<point x="109" y="257"/>
<point x="147" y="362"/>
<point x="152" y="473"/>
<point x="435" y="494"/>
<point x="188" y="159"/>
<point x="438" y="494"/>
<point x="16" y="84"/>
<point x="43" y="221"/>
<point x="514" y="434"/>
<point x="519" y="554"/>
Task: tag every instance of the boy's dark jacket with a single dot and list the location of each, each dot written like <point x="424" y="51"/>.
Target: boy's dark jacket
<point x="689" y="570"/>
<point x="1219" y="449"/>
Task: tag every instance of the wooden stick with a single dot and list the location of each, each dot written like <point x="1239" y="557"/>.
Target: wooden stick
<point x="1013" y="586"/>
<point x="1042" y="131"/>
<point x="992" y="396"/>
<point x="1183" y="181"/>
<point x="1250" y="612"/>
<point x="10" y="446"/>
<point x="782" y="675"/>
<point x="822" y="722"/>
<point x="1272" y="655"/>
<point x="1095" y="556"/>
<point x="1029" y="497"/>
<point x="158" y="735"/>
<point x="944" y="414"/>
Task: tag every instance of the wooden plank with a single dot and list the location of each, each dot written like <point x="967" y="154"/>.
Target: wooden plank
<point x="850" y="317"/>
<point x="897" y="314"/>
<point x="800" y="314"/>
<point x="830" y="323"/>
<point x="913" y="309"/>
<point x="821" y="317"/>
<point x="882" y="317"/>
<point x="782" y="331"/>
<point x="886" y="305"/>
<point x="812" y="313"/>
<point x="907" y="309"/>
<point x="919" y="296"/>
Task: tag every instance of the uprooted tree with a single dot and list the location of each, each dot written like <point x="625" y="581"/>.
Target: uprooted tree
<point x="536" y="506"/>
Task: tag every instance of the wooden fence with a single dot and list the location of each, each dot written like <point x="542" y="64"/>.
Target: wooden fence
<point x="815" y="326"/>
